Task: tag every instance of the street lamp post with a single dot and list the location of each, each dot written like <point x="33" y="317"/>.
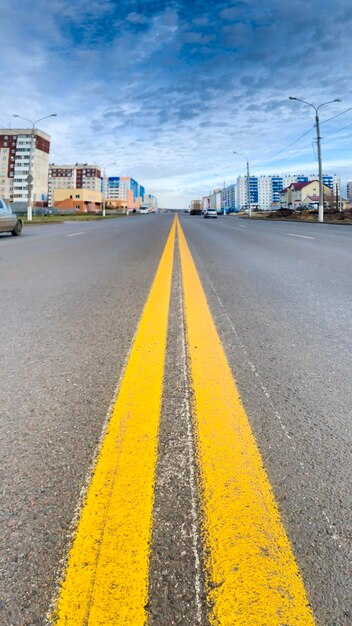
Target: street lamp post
<point x="104" y="193"/>
<point x="248" y="183"/>
<point x="317" y="124"/>
<point x="30" y="175"/>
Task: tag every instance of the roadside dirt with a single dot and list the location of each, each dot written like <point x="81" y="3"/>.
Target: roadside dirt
<point x="306" y="216"/>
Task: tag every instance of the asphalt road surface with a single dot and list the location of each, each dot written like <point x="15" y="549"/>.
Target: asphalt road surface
<point x="71" y="297"/>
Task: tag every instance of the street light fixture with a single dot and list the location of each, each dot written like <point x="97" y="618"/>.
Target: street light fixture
<point x="321" y="189"/>
<point x="248" y="183"/>
<point x="30" y="176"/>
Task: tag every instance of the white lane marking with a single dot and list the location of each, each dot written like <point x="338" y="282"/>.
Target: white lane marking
<point x="302" y="236"/>
<point x="75" y="234"/>
<point x="191" y="462"/>
<point x="253" y="368"/>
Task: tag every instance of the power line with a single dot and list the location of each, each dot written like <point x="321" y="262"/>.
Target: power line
<point x="338" y="115"/>
<point x="286" y="147"/>
<point x="330" y="134"/>
<point x="304" y="134"/>
<point x="339" y="131"/>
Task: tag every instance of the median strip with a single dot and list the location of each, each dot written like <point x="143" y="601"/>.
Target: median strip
<point x="252" y="577"/>
<point x="106" y="580"/>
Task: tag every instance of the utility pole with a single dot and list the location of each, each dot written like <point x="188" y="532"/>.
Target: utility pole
<point x="321" y="186"/>
<point x="104" y="192"/>
<point x="249" y="191"/>
<point x="317" y="125"/>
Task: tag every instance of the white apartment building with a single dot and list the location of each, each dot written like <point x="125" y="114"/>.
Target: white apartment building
<point x="205" y="203"/>
<point x="349" y="192"/>
<point x="216" y="200"/>
<point x="220" y="199"/>
<point x="151" y="202"/>
<point x="265" y="190"/>
<point x="24" y="152"/>
<point x="228" y="197"/>
<point x="77" y="176"/>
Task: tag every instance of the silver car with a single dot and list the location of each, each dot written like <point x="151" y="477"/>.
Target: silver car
<point x="210" y="213"/>
<point x="9" y="222"/>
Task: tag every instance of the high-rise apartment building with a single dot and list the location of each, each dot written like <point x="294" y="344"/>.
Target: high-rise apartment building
<point x="125" y="188"/>
<point x="24" y="153"/>
<point x="265" y="190"/>
<point x="228" y="198"/>
<point x="349" y="192"/>
<point x="242" y="191"/>
<point x="78" y="176"/>
<point x="151" y="202"/>
<point x="216" y="200"/>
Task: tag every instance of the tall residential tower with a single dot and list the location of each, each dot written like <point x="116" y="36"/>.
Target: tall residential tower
<point x="78" y="176"/>
<point x="24" y="153"/>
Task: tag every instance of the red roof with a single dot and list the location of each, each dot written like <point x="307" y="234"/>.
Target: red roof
<point x="298" y="186"/>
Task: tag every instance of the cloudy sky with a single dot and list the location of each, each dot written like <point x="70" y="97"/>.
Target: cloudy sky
<point x="168" y="90"/>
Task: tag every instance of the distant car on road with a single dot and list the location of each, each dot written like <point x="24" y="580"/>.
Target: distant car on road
<point x="9" y="222"/>
<point x="210" y="213"/>
<point x="144" y="210"/>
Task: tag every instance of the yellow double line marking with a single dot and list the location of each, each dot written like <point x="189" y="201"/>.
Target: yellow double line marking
<point x="252" y="578"/>
<point x="106" y="582"/>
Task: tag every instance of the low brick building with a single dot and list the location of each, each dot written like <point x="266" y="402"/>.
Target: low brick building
<point x="78" y="200"/>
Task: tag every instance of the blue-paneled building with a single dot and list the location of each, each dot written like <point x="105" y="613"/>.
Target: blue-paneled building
<point x="118" y="188"/>
<point x="265" y="190"/>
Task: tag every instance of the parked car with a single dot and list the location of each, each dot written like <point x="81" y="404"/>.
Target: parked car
<point x="210" y="213"/>
<point x="9" y="222"/>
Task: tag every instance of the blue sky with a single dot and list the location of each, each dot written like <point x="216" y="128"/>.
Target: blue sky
<point x="168" y="90"/>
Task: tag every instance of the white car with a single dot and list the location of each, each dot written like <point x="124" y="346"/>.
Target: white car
<point x="144" y="210"/>
<point x="210" y="213"/>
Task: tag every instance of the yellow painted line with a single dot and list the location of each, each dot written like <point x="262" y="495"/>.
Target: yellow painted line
<point x="252" y="576"/>
<point x="106" y="582"/>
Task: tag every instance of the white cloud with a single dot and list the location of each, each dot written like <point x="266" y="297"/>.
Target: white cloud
<point x="136" y="18"/>
<point x="142" y="89"/>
